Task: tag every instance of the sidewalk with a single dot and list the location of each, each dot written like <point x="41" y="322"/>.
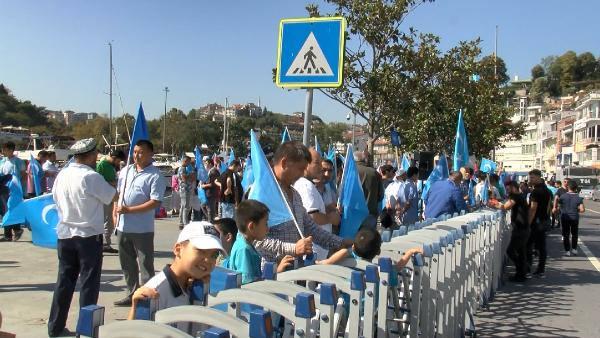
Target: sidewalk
<point x="28" y="274"/>
<point x="564" y="304"/>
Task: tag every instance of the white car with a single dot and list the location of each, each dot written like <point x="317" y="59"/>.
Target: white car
<point x="586" y="193"/>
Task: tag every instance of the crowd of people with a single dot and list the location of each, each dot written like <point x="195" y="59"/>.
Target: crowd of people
<point x="96" y="200"/>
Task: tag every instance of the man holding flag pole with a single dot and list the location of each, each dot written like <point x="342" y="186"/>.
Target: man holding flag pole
<point x="141" y="189"/>
<point x="292" y="230"/>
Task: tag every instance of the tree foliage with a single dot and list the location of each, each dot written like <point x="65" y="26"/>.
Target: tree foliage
<point x="19" y="113"/>
<point x="565" y="74"/>
<point x="402" y="79"/>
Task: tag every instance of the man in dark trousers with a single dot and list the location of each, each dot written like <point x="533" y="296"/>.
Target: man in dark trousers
<point x="517" y="248"/>
<point x="80" y="194"/>
<point x="539" y="220"/>
<point x="372" y="186"/>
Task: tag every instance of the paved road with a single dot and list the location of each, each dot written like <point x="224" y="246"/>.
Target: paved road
<point x="564" y="304"/>
<point x="28" y="274"/>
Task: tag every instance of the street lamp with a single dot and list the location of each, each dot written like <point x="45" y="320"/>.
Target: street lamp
<point x="165" y="119"/>
<point x="353" y="124"/>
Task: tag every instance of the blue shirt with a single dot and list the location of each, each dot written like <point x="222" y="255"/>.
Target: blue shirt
<point x="14" y="166"/>
<point x="444" y="197"/>
<point x="245" y="259"/>
<point x="142" y="186"/>
<point x="411" y="195"/>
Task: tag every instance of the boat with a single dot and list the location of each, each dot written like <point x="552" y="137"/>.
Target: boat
<point x="167" y="164"/>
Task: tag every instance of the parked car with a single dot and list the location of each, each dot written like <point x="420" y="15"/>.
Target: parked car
<point x="587" y="192"/>
<point x="596" y="193"/>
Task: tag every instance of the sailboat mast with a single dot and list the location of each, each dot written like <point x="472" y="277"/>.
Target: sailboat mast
<point x="110" y="96"/>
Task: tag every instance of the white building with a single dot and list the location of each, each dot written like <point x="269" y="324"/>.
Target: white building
<point x="586" y="138"/>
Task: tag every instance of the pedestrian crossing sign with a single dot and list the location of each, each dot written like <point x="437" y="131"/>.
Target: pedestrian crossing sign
<point x="310" y="52"/>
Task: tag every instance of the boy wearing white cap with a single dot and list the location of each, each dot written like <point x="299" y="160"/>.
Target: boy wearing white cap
<point x="196" y="252"/>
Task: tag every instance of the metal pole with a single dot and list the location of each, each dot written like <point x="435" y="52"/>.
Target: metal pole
<point x="110" y="117"/>
<point x="307" y="117"/>
<point x="226" y="124"/>
<point x="496" y="54"/>
<point x="165" y="120"/>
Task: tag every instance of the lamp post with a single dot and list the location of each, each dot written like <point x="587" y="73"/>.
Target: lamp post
<point x="165" y="119"/>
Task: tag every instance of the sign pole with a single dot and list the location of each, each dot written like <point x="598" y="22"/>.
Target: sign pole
<point x="307" y="117"/>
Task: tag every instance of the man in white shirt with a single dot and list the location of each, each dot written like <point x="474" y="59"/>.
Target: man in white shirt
<point x="312" y="200"/>
<point x="50" y="170"/>
<point x="80" y="194"/>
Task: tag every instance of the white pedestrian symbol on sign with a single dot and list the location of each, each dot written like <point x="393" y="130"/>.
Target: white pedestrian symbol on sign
<point x="310" y="60"/>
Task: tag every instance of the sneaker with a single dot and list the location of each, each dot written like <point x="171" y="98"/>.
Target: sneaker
<point x="540" y="275"/>
<point x="63" y="333"/>
<point x="573" y="252"/>
<point x="109" y="249"/>
<point x="123" y="302"/>
<point x="18" y="234"/>
<point x="568" y="253"/>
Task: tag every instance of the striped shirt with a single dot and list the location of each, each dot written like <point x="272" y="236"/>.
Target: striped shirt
<point x="281" y="239"/>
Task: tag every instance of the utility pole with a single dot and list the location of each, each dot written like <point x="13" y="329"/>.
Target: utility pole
<point x="495" y="75"/>
<point x="110" y="95"/>
<point x="307" y="117"/>
<point x="225" y="125"/>
<point x="165" y="119"/>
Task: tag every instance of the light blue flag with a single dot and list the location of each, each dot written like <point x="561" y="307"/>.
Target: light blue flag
<point x="285" y="136"/>
<point x="37" y="174"/>
<point x="332" y="157"/>
<point x="485" y="191"/>
<point x="265" y="188"/>
<point x="248" y="175"/>
<point x="461" y="146"/>
<point x="231" y="157"/>
<point x="14" y="214"/>
<point x="472" y="200"/>
<point x="440" y="172"/>
<point x="487" y="166"/>
<point x="42" y="217"/>
<point x="201" y="173"/>
<point x="352" y="199"/>
<point x="223" y="167"/>
<point x="140" y="131"/>
<point x="405" y="162"/>
<point x="317" y="146"/>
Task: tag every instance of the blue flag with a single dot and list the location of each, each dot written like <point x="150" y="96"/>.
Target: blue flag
<point x="231" y="157"/>
<point x="352" y="199"/>
<point x="265" y="188"/>
<point x="285" y="136"/>
<point x="317" y="146"/>
<point x="485" y="191"/>
<point x="332" y="157"/>
<point x="461" y="146"/>
<point x="487" y="166"/>
<point x="42" y="217"/>
<point x="440" y="172"/>
<point x="223" y="167"/>
<point x="395" y="138"/>
<point x="201" y="173"/>
<point x="37" y="174"/>
<point x="14" y="214"/>
<point x="472" y="200"/>
<point x="140" y="131"/>
<point x="405" y="162"/>
<point x="248" y="175"/>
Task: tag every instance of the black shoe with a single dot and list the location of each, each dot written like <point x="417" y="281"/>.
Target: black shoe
<point x="109" y="249"/>
<point x="123" y="302"/>
<point x="18" y="234"/>
<point x="6" y="239"/>
<point x="539" y="274"/>
<point x="63" y="333"/>
<point x="517" y="279"/>
<point x="180" y="226"/>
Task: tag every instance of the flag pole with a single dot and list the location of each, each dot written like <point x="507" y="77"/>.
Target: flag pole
<point x="287" y="205"/>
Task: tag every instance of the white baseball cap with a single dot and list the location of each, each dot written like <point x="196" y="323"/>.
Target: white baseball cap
<point x="197" y="235"/>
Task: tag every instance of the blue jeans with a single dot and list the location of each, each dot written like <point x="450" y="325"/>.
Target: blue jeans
<point x="227" y="210"/>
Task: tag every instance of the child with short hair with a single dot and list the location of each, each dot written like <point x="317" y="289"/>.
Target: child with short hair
<point x="196" y="252"/>
<point x="367" y="245"/>
<point x="251" y="219"/>
<point x="227" y="231"/>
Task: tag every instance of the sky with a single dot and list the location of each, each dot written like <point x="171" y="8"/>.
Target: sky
<point x="55" y="53"/>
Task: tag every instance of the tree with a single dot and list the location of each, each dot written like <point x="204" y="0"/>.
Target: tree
<point x="402" y="79"/>
<point x="537" y="71"/>
<point x="539" y="89"/>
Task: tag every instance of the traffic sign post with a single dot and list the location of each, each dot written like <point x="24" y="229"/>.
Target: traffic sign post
<point x="310" y="54"/>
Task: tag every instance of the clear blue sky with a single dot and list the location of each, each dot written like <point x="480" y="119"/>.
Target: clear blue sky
<point x="55" y="53"/>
